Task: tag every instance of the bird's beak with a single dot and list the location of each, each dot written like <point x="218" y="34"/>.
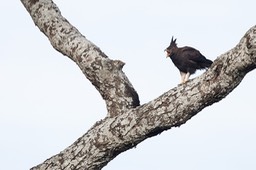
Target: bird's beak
<point x="167" y="53"/>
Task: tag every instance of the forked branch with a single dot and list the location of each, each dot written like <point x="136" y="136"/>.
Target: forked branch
<point x="128" y="123"/>
<point x="105" y="74"/>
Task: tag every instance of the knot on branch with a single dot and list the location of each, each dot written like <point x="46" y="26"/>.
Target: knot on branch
<point x="118" y="64"/>
<point x="111" y="65"/>
<point x="32" y="2"/>
<point x="251" y="44"/>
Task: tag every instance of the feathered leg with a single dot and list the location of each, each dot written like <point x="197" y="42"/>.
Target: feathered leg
<point x="187" y="77"/>
<point x="183" y="77"/>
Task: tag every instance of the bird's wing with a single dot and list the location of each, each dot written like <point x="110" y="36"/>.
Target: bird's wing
<point x="192" y="54"/>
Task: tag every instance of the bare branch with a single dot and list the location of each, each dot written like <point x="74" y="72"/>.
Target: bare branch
<point x="105" y="74"/>
<point x="115" y="134"/>
<point x="107" y="138"/>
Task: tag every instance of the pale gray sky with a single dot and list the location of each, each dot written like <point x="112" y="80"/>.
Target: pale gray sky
<point x="46" y="102"/>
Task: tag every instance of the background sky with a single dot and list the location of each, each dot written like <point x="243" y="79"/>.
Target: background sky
<point x="46" y="103"/>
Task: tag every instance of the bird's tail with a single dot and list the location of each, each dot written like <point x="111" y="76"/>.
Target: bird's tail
<point x="207" y="63"/>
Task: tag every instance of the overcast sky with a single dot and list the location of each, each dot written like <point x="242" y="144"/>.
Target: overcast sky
<point x="46" y="102"/>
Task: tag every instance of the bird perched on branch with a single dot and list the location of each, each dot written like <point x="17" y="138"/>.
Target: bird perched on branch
<point x="186" y="59"/>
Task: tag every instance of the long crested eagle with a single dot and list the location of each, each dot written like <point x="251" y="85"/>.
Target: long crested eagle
<point x="186" y="59"/>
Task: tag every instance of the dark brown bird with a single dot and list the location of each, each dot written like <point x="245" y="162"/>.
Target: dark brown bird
<point x="186" y="59"/>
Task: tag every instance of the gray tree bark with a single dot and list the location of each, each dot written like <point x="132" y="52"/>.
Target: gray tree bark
<point x="129" y="123"/>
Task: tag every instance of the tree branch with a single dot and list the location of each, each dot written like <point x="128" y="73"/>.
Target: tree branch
<point x="105" y="74"/>
<point x="129" y="123"/>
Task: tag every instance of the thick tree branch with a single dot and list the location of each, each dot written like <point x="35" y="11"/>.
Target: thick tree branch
<point x="115" y="134"/>
<point x="105" y="74"/>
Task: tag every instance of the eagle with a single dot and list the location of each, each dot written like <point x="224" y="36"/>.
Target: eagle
<point x="186" y="59"/>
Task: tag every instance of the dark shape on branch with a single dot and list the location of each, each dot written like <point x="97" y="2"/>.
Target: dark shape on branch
<point x="186" y="59"/>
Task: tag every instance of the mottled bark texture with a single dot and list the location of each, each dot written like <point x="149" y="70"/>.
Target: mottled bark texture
<point x="105" y="74"/>
<point x="127" y="123"/>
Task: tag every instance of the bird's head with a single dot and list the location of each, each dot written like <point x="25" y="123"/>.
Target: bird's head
<point x="170" y="50"/>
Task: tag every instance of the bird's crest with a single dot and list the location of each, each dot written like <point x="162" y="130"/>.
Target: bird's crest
<point x="173" y="43"/>
<point x="172" y="47"/>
